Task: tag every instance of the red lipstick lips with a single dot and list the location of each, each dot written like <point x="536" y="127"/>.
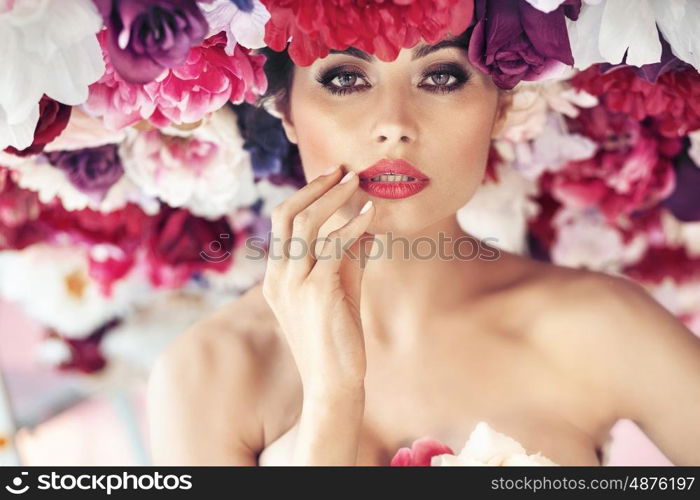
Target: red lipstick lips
<point x="393" y="187"/>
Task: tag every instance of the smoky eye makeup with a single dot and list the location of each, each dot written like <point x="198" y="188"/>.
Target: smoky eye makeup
<point x="341" y="79"/>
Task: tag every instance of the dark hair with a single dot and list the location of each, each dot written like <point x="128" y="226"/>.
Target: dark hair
<point x="279" y="70"/>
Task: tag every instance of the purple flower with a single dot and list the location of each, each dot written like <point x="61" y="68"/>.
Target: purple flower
<point x="513" y="41"/>
<point x="147" y="36"/>
<point x="683" y="201"/>
<point x="91" y="170"/>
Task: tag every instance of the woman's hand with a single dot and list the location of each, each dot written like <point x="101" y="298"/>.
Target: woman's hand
<point x="316" y="297"/>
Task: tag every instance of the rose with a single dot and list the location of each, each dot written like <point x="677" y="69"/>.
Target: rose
<point x="145" y="38"/>
<point x="182" y="244"/>
<point x="91" y="170"/>
<point x="514" y="41"/>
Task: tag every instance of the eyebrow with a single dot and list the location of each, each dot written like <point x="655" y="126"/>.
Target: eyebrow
<point x="417" y="53"/>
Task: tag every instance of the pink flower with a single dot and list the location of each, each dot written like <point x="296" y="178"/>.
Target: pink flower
<point x="631" y="171"/>
<point x="376" y="26"/>
<point x="420" y="453"/>
<point x="207" y="80"/>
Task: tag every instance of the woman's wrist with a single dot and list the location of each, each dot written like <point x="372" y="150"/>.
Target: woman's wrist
<point x="334" y="396"/>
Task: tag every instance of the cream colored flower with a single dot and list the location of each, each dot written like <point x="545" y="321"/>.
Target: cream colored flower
<point x="486" y="446"/>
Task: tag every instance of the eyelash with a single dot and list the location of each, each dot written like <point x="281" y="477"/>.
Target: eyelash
<point x="462" y="77"/>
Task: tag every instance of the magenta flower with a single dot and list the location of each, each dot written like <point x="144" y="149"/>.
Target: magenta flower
<point x="420" y="453"/>
<point x="207" y="80"/>
<point x="146" y="37"/>
<point x="514" y="41"/>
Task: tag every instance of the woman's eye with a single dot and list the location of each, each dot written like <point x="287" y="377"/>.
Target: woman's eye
<point x="447" y="79"/>
<point x="345" y="80"/>
<point x="441" y="79"/>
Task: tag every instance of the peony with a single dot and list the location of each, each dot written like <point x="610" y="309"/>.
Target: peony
<point x="54" y="184"/>
<point x="498" y="212"/>
<point x="513" y="41"/>
<point x="207" y="80"/>
<point x="264" y="139"/>
<point x="84" y="131"/>
<point x="91" y="170"/>
<point x="243" y="24"/>
<point x="615" y="29"/>
<point x="531" y="103"/>
<point x="631" y="170"/>
<point x="145" y="38"/>
<point x="182" y="244"/>
<point x="420" y="453"/>
<point x="673" y="101"/>
<point x="485" y="446"/>
<point x="49" y="48"/>
<point x="205" y="170"/>
<point x="586" y="239"/>
<point x="53" y="285"/>
<point x="19" y="214"/>
<point x="377" y="27"/>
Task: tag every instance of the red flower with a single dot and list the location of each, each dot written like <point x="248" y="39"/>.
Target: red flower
<point x="660" y="263"/>
<point x="183" y="244"/>
<point x="53" y="118"/>
<point x="380" y="27"/>
<point x="420" y="453"/>
<point x="673" y="102"/>
<point x="19" y="213"/>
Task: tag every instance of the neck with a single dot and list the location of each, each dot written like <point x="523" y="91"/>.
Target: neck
<point x="410" y="279"/>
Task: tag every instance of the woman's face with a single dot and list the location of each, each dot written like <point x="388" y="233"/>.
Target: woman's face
<point x="430" y="108"/>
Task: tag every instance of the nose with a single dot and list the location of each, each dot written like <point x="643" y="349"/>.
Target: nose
<point x="394" y="120"/>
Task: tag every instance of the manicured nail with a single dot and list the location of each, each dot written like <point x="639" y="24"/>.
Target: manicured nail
<point x="366" y="206"/>
<point x="330" y="170"/>
<point x="347" y="177"/>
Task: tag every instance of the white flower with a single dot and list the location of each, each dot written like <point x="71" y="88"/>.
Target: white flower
<point x="205" y="170"/>
<point x="585" y="239"/>
<point x="245" y="28"/>
<point x="533" y="101"/>
<point x="694" y="150"/>
<point x="501" y="210"/>
<point x="607" y="31"/>
<point x="36" y="174"/>
<point x="53" y="286"/>
<point x="486" y="446"/>
<point x="48" y="47"/>
<point x="551" y="150"/>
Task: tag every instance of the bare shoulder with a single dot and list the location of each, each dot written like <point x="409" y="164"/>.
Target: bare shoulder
<point x="206" y="389"/>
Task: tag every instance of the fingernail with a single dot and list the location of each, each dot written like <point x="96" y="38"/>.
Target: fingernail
<point x="366" y="206"/>
<point x="330" y="170"/>
<point x="347" y="177"/>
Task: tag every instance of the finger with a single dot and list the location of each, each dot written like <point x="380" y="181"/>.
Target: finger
<point x="307" y="223"/>
<point x="283" y="214"/>
<point x="348" y="264"/>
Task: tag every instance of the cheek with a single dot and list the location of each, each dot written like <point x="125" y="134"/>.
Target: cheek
<point x="463" y="148"/>
<point x="323" y="136"/>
